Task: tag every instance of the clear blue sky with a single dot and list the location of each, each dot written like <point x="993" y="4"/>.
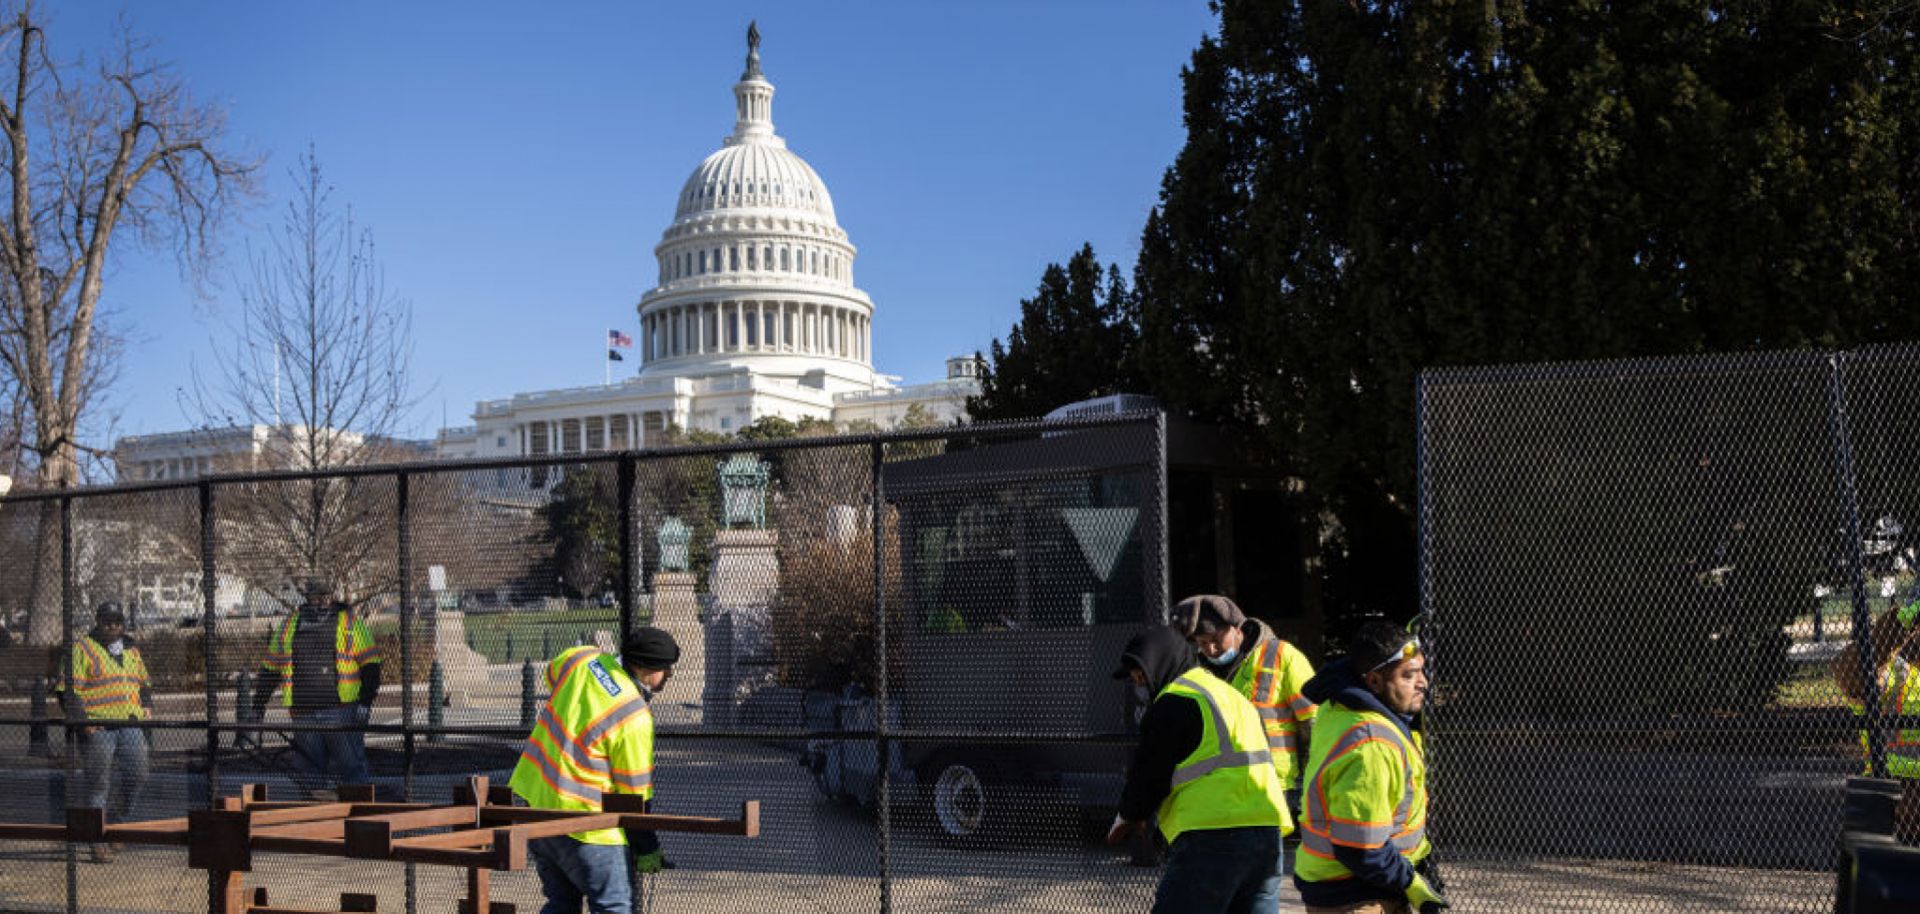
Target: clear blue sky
<point x="518" y="162"/>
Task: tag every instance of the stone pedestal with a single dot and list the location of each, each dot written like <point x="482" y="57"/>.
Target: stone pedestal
<point x="746" y="569"/>
<point x="676" y="608"/>
<point x="744" y="579"/>
<point x="464" y="669"/>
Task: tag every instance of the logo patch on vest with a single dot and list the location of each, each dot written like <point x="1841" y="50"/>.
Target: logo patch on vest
<point x="606" y="679"/>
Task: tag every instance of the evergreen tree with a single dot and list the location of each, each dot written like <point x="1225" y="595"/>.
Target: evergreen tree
<point x="1074" y="340"/>
<point x="1371" y="188"/>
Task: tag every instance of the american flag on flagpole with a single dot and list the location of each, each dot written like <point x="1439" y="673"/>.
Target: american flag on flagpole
<point x="616" y="338"/>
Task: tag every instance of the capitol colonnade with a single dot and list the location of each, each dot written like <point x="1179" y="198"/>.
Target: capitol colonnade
<point x="751" y="325"/>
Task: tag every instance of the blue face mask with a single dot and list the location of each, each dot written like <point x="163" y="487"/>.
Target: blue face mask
<point x="1227" y="656"/>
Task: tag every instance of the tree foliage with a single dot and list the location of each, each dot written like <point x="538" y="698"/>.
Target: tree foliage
<point x="1371" y="188"/>
<point x="90" y="152"/>
<point x="1073" y="342"/>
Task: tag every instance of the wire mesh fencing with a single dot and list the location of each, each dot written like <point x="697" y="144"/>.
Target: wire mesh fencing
<point x="1638" y="578"/>
<point x="898" y="644"/>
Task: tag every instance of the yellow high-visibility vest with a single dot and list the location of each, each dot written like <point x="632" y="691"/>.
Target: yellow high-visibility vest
<point x="1228" y="781"/>
<point x="1366" y="788"/>
<point x="594" y="737"/>
<point x="353" y="649"/>
<point x="105" y="689"/>
<point x="1899" y="698"/>
<point x="1272" y="678"/>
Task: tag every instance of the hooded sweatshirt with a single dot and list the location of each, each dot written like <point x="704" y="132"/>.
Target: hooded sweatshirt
<point x="1171" y="728"/>
<point x="1380" y="872"/>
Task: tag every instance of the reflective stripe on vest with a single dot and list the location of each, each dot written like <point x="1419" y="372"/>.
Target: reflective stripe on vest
<point x="1903" y="746"/>
<point x="1259" y="679"/>
<point x="593" y="737"/>
<point x="353" y="650"/>
<point x="1320" y="831"/>
<point x="106" y="689"/>
<point x="1228" y="780"/>
<point x="1226" y="756"/>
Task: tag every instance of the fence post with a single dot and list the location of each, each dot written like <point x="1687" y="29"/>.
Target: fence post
<point x="1862" y="616"/>
<point x="72" y="708"/>
<point x="883" y="741"/>
<point x="37" y="709"/>
<point x="436" y="697"/>
<point x="628" y="572"/>
<point x="404" y="560"/>
<point x="210" y="645"/>
<point x="526" y="694"/>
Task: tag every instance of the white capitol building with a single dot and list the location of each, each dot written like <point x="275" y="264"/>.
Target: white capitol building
<point x="755" y="314"/>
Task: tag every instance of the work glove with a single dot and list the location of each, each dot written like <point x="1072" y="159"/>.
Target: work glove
<point x="1118" y="832"/>
<point x="1908" y="613"/>
<point x="1424" y="897"/>
<point x="649" y="864"/>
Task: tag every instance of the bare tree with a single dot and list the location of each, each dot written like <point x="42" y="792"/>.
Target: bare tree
<point x="320" y="356"/>
<point x="88" y="153"/>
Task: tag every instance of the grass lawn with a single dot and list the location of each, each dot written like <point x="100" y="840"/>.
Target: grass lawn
<point x="512" y="637"/>
<point x="1810" y="686"/>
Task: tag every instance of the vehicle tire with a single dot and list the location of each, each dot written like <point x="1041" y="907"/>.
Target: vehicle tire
<point x="965" y="800"/>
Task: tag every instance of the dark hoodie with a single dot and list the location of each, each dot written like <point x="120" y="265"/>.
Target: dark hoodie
<point x="1378" y="873"/>
<point x="1171" y="727"/>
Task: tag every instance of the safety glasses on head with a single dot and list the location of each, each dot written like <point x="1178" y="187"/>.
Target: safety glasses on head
<point x="1407" y="651"/>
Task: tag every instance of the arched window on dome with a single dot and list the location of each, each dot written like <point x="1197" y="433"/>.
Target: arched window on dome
<point x="703" y="261"/>
<point x="766" y="257"/>
<point x="753" y="262"/>
<point x="733" y="258"/>
<point x="783" y="260"/>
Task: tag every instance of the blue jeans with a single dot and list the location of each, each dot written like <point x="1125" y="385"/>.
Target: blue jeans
<point x="116" y="755"/>
<point x="571" y="871"/>
<point x="341" y="757"/>
<point x="1223" y="871"/>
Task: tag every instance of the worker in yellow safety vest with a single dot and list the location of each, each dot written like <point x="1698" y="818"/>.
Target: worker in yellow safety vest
<point x="1259" y="664"/>
<point x="107" y="681"/>
<point x="595" y="737"/>
<point x="1896" y="665"/>
<point x="1203" y="768"/>
<point x="1363" y="812"/>
<point x="326" y="666"/>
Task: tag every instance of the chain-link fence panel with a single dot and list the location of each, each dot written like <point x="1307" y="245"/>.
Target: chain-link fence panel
<point x="865" y="625"/>
<point x="1636" y="575"/>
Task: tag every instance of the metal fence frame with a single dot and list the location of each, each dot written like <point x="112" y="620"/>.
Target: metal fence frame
<point x="1840" y="369"/>
<point x="882" y="734"/>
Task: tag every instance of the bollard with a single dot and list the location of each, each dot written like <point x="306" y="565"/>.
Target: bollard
<point x="579" y="639"/>
<point x="470" y="645"/>
<point x="546" y="644"/>
<point x="436" y="701"/>
<point x="37" y="733"/>
<point x="526" y="693"/>
<point x="509" y="645"/>
<point x="243" y="708"/>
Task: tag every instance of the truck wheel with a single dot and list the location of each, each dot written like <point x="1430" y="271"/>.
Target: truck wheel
<point x="963" y="798"/>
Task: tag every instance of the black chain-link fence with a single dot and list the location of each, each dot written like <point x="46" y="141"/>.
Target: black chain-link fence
<point x="899" y="644"/>
<point x="1637" y="575"/>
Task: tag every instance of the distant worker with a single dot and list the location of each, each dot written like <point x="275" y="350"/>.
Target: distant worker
<point x="1363" y="817"/>
<point x="595" y="737"/>
<point x="1896" y="666"/>
<point x="329" y="667"/>
<point x="110" y="682"/>
<point x="1203" y="767"/>
<point x="1269" y="671"/>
